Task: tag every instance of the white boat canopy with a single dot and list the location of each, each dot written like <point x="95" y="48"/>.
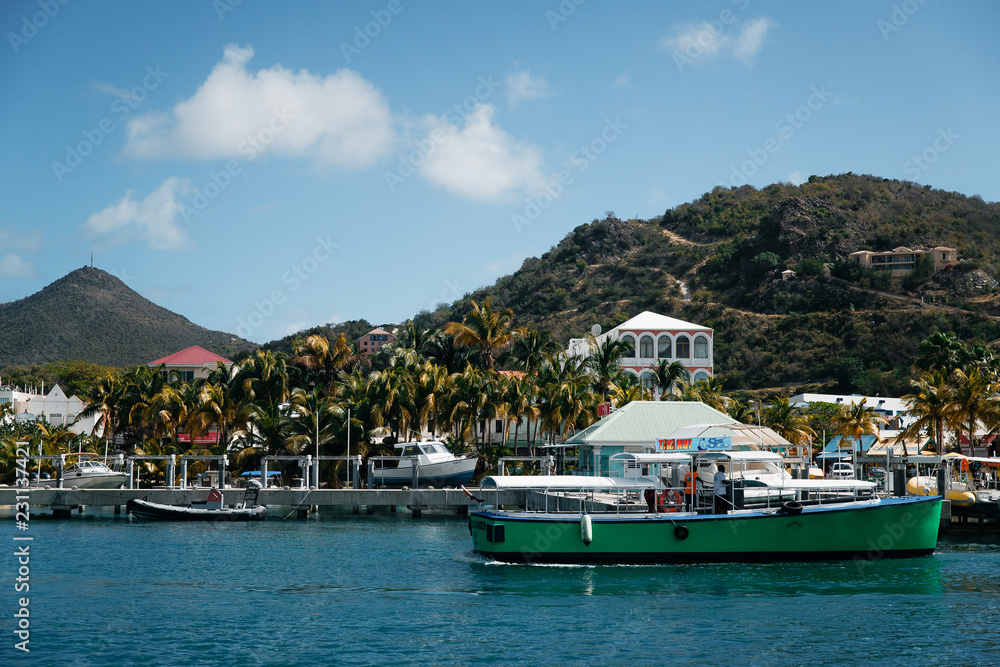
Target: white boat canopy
<point x="658" y="457"/>
<point x="566" y="483"/>
<point x="744" y="455"/>
<point x="824" y="485"/>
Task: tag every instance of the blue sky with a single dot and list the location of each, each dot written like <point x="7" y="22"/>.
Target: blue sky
<point x="261" y="168"/>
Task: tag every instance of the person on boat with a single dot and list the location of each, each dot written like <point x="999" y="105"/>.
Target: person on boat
<point x="719" y="489"/>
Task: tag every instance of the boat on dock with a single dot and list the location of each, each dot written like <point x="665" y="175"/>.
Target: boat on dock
<point x="593" y="520"/>
<point x="435" y="465"/>
<point x="86" y="473"/>
<point x="211" y="509"/>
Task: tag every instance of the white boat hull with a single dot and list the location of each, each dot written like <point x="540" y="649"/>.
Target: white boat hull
<point x="452" y="473"/>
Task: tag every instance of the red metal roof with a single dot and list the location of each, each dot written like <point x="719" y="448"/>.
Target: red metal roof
<point x="193" y="356"/>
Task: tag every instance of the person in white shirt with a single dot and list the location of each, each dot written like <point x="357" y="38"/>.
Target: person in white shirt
<point x="722" y="504"/>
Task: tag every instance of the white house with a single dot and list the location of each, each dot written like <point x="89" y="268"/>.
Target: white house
<point x="57" y="408"/>
<point x="652" y="337"/>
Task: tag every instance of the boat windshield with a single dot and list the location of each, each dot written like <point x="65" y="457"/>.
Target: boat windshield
<point x="411" y="450"/>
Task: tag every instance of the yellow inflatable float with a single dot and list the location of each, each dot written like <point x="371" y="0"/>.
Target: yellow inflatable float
<point x="958" y="494"/>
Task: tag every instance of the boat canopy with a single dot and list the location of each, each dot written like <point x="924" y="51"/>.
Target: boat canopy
<point x="566" y="482"/>
<point x="824" y="485"/>
<point x="660" y="457"/>
<point x="256" y="473"/>
<point x="743" y="455"/>
<point x="978" y="459"/>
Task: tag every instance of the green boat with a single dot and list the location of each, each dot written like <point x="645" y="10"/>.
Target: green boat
<point x="845" y="521"/>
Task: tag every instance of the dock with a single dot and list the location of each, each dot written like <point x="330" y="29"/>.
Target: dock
<point x="303" y="500"/>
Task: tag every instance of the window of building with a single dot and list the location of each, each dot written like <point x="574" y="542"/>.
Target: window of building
<point x="186" y="376"/>
<point x="646" y="347"/>
<point x="683" y="347"/>
<point x="648" y="381"/>
<point x="944" y="256"/>
<point x="700" y="375"/>
<point x="701" y="347"/>
<point x="663" y="347"/>
<point x="629" y="347"/>
<point x="499" y="426"/>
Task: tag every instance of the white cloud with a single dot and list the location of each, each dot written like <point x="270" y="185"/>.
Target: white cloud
<point x="751" y="38"/>
<point x="692" y="43"/>
<point x="797" y="178"/>
<point x="340" y="119"/>
<point x="155" y="218"/>
<point x="621" y="81"/>
<point x="480" y="160"/>
<point x="522" y="86"/>
<point x="13" y="266"/>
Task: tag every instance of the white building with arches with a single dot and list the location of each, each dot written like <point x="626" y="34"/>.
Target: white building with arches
<point x="650" y="338"/>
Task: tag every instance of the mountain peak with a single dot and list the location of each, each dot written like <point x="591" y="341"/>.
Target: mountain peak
<point x="91" y="315"/>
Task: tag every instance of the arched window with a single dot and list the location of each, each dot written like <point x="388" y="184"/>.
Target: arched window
<point x="648" y="380"/>
<point x="683" y="347"/>
<point x="663" y="347"/>
<point x="700" y="375"/>
<point x="646" y="347"/>
<point x="629" y="352"/>
<point x="701" y="347"/>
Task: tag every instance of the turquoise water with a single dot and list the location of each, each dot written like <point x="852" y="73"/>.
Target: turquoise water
<point x="388" y="589"/>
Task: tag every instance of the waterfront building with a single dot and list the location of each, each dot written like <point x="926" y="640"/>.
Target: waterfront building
<point x="650" y="338"/>
<point x="637" y="427"/>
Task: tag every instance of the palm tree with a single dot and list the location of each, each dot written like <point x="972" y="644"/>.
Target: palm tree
<point x="856" y="420"/>
<point x="742" y="410"/>
<point x="315" y="420"/>
<point x="486" y="330"/>
<point x="973" y="398"/>
<point x="789" y="421"/>
<point x="532" y="349"/>
<point x="605" y="360"/>
<point x="104" y="398"/>
<point x="316" y="354"/>
<point x="931" y="406"/>
<point x="668" y="375"/>
<point x="265" y="377"/>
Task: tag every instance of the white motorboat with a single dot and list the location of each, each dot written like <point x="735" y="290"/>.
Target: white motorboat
<point x="86" y="474"/>
<point x="435" y="466"/>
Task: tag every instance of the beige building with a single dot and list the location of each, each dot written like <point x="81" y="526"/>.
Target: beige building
<point x="901" y="261"/>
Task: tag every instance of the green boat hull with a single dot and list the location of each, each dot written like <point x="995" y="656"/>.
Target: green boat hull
<point x="890" y="528"/>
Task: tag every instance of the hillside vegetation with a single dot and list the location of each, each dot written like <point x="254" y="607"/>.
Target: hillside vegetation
<point x="729" y="248"/>
<point x="93" y="316"/>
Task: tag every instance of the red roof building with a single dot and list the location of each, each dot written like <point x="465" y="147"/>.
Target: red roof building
<point x="191" y="364"/>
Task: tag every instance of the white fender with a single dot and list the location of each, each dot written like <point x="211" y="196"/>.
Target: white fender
<point x="586" y="529"/>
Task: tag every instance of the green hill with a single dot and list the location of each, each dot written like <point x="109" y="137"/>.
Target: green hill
<point x="93" y="316"/>
<point x="729" y="247"/>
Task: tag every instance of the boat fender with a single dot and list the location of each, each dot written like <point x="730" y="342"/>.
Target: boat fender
<point x="681" y="532"/>
<point x="586" y="529"/>
<point x="791" y="508"/>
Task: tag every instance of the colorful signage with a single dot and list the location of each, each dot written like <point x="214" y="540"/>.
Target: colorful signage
<point x="718" y="443"/>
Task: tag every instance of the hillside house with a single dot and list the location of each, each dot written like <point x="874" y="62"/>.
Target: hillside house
<point x="902" y="260"/>
<point x="373" y="341"/>
<point x="194" y="363"/>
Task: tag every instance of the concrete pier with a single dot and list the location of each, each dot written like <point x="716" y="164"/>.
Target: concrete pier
<point x="417" y="500"/>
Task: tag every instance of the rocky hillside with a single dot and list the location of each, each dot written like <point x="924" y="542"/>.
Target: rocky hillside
<point x="93" y="316"/>
<point x="718" y="260"/>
